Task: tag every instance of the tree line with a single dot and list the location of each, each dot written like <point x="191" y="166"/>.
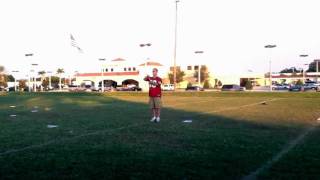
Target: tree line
<point x="56" y="81"/>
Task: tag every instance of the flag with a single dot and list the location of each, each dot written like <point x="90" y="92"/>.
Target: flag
<point x="75" y="44"/>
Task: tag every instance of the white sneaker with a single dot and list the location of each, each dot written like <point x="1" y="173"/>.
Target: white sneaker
<point x="158" y="119"/>
<point x="153" y="119"/>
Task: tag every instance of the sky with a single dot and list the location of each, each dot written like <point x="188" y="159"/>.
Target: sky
<point x="231" y="33"/>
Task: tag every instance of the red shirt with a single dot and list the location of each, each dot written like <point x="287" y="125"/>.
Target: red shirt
<point x="154" y="86"/>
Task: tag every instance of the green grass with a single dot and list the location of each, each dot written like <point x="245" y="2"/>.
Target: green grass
<point x="109" y="136"/>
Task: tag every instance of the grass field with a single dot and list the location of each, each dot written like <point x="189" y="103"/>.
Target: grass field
<point x="232" y="136"/>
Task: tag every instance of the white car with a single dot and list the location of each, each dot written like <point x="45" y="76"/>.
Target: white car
<point x="168" y="87"/>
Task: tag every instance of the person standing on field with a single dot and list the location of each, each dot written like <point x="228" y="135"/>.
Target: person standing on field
<point x="154" y="94"/>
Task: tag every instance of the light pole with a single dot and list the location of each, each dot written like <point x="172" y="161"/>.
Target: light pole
<point x="303" y="71"/>
<point x="15" y="81"/>
<point x="175" y="47"/>
<point x="102" y="80"/>
<point x="199" y="68"/>
<point x="270" y="73"/>
<point x="29" y="88"/>
<point x="34" y="85"/>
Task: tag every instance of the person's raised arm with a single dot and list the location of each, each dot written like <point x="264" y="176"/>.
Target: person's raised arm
<point x="147" y="78"/>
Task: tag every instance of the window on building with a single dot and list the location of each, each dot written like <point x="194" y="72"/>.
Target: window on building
<point x="196" y="68"/>
<point x="133" y="69"/>
<point x="125" y="69"/>
<point x="111" y="70"/>
<point x="129" y="69"/>
<point x="107" y="70"/>
<point x="189" y="68"/>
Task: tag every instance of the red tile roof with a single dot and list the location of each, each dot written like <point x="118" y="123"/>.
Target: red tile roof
<point x="118" y="59"/>
<point x="150" y="63"/>
<point x="108" y="74"/>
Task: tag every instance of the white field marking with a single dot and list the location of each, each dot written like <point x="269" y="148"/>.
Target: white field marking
<point x="253" y="175"/>
<point x="193" y="102"/>
<point x="187" y="121"/>
<point x="52" y="126"/>
<point x="12" y="151"/>
<point x="243" y="106"/>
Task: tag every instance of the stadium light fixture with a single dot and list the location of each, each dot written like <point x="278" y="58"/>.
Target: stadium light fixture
<point x="270" y="46"/>
<point x="15" y="80"/>
<point x="199" y="68"/>
<point x="29" y="88"/>
<point x="304" y="71"/>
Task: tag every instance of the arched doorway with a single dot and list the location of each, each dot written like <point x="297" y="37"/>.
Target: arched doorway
<point x="108" y="83"/>
<point x="130" y="83"/>
<point x="87" y="83"/>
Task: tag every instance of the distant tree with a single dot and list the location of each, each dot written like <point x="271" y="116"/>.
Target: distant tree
<point x="189" y="84"/>
<point x="179" y="77"/>
<point x="217" y="83"/>
<point x="59" y="72"/>
<point x="290" y="70"/>
<point x="10" y="78"/>
<point x="3" y="79"/>
<point x="45" y="83"/>
<point x="313" y="67"/>
<point x="299" y="82"/>
<point x="204" y="74"/>
<point x="1" y="69"/>
<point x="206" y="84"/>
<point x="248" y="85"/>
<point x="55" y="81"/>
<point x="42" y="77"/>
<point x="22" y="85"/>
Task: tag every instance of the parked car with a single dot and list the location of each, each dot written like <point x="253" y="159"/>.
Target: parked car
<point x="168" y="87"/>
<point x="194" y="88"/>
<point x="280" y="87"/>
<point x="296" y="88"/>
<point x="75" y="88"/>
<point x="132" y="88"/>
<point x="310" y="86"/>
<point x="2" y="88"/>
<point x="106" y="88"/>
<point x="232" y="87"/>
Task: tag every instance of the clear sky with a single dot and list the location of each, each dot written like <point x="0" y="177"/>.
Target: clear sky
<point x="232" y="33"/>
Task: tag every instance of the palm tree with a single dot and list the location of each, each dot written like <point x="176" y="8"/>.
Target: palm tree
<point x="60" y="71"/>
<point x="2" y="78"/>
<point x="42" y="76"/>
<point x="1" y="69"/>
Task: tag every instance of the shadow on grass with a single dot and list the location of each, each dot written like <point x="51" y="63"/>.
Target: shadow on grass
<point x="97" y="140"/>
